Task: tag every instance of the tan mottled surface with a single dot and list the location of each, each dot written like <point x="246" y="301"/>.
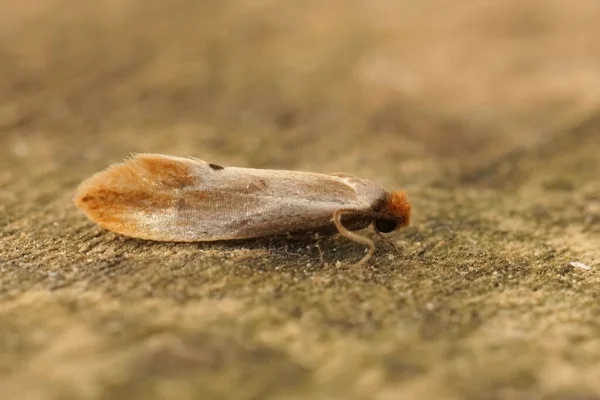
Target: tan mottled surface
<point x="487" y="113"/>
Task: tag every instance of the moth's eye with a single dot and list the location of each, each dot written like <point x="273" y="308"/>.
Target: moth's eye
<point x="385" y="225"/>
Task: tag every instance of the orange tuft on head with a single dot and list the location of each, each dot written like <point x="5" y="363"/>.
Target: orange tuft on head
<point x="397" y="205"/>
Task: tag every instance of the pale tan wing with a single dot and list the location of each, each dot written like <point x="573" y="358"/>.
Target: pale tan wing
<point x="168" y="198"/>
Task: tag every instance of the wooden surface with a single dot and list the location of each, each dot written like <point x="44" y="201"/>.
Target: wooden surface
<point x="486" y="114"/>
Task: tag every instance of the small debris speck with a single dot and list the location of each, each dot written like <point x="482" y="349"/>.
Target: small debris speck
<point x="578" y="264"/>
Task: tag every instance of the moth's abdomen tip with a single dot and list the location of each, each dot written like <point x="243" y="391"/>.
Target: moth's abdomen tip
<point x="397" y="204"/>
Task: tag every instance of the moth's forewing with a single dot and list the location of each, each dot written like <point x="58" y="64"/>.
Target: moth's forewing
<point x="168" y="198"/>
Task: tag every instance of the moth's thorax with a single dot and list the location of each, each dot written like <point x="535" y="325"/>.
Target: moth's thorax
<point x="368" y="193"/>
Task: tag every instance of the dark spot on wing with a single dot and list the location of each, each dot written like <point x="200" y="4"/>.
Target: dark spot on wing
<point x="216" y="167"/>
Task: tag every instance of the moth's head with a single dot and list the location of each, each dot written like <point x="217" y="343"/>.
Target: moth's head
<point x="395" y="205"/>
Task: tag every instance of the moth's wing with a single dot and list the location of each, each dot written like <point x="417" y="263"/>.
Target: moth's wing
<point x="168" y="198"/>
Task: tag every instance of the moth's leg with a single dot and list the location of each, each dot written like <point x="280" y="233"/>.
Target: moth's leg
<point x="388" y="241"/>
<point x="337" y="220"/>
<point x="286" y="250"/>
<point x="318" y="239"/>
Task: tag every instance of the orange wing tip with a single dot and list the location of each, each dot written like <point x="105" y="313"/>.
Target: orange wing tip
<point x="89" y="192"/>
<point x="139" y="175"/>
<point x="107" y="196"/>
<point x="397" y="204"/>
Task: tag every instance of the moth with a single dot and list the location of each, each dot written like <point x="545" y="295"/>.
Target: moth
<point x="166" y="198"/>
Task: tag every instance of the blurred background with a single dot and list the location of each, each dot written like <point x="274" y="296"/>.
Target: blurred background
<point x="486" y="112"/>
<point x="362" y="86"/>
